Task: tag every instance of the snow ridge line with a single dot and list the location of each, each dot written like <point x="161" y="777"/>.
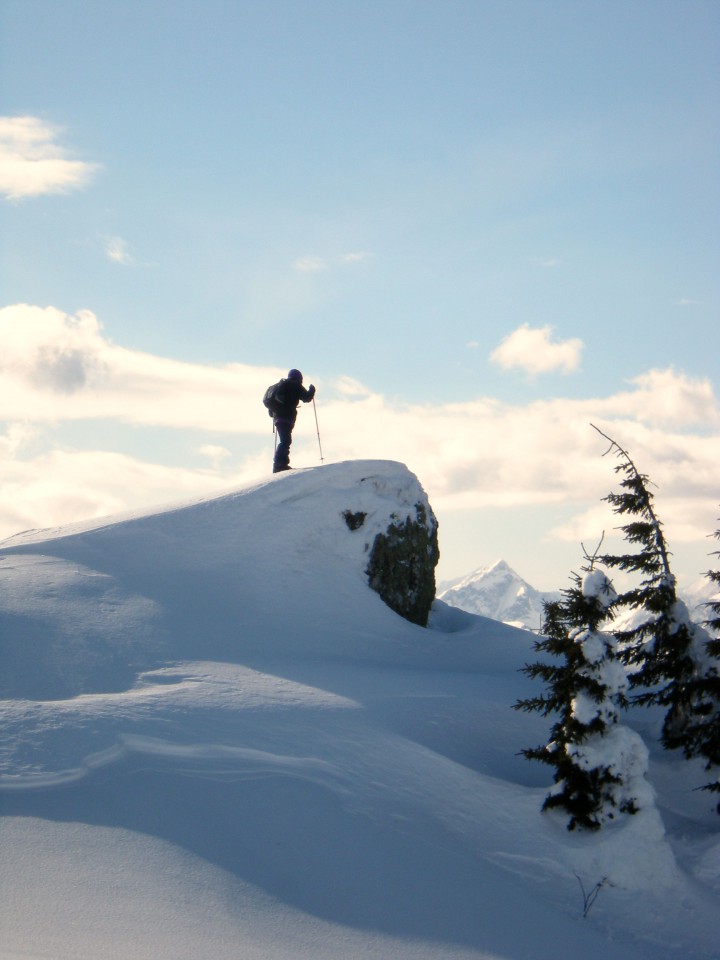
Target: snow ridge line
<point x="237" y="763"/>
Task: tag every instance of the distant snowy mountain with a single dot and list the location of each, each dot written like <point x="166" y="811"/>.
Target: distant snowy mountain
<point x="499" y="593"/>
<point x="219" y="741"/>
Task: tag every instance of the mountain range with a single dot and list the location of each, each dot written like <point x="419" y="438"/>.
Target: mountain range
<point x="500" y="593"/>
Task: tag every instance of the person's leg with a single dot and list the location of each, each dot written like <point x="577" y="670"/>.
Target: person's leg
<point x="282" y="452"/>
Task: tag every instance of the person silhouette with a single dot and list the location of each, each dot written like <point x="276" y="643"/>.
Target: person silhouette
<point x="290" y="391"/>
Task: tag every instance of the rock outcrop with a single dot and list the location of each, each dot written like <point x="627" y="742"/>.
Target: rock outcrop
<point x="402" y="565"/>
<point x="400" y="532"/>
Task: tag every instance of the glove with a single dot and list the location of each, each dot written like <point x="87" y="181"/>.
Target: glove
<point x="311" y="390"/>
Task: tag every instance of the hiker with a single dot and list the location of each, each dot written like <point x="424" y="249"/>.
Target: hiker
<point x="283" y="409"/>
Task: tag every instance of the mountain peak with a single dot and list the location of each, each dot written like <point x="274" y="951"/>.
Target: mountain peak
<point x="500" y="593"/>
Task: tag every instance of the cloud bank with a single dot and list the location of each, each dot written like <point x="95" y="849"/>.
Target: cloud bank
<point x="32" y="163"/>
<point x="56" y="368"/>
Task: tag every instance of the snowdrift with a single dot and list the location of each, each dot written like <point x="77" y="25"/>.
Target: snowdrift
<point x="219" y="741"/>
<point x="261" y="572"/>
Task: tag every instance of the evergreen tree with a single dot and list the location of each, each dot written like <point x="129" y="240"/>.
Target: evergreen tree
<point x="674" y="661"/>
<point x="713" y="648"/>
<point x="713" y="606"/>
<point x="599" y="765"/>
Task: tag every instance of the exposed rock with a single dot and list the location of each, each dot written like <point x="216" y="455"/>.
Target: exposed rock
<point x="402" y="565"/>
<point x="354" y="520"/>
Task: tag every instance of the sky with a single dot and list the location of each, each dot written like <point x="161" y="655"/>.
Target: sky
<point x="477" y="227"/>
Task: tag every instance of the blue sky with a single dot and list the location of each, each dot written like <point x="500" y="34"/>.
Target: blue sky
<point x="477" y="226"/>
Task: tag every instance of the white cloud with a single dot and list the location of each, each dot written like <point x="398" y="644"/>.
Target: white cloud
<point x="32" y="163"/>
<point x="349" y="387"/>
<point x="214" y="453"/>
<point x="46" y="351"/>
<point x="65" y="486"/>
<point x="666" y="398"/>
<point x="117" y="250"/>
<point x="310" y="265"/>
<point x="16" y="438"/>
<point x="56" y="367"/>
<point x="534" y="351"/>
<point x="355" y="257"/>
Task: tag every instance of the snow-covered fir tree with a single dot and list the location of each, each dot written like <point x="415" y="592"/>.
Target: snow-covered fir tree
<point x="673" y="661"/>
<point x="713" y="647"/>
<point x="713" y="606"/>
<point x="600" y="765"/>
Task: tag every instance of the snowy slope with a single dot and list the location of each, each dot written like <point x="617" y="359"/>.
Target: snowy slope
<point x="218" y="741"/>
<point x="499" y="593"/>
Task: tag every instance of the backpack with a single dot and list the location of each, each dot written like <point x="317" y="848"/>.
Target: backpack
<point x="274" y="398"/>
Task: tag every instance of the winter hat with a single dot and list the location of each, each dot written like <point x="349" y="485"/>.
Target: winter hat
<point x="295" y="375"/>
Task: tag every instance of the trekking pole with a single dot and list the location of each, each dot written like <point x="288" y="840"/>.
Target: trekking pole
<point x="322" y="459"/>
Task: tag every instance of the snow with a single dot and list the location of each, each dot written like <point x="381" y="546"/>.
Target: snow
<point x="500" y="593"/>
<point x="595" y="583"/>
<point x="594" y="645"/>
<point x="600" y="650"/>
<point x="622" y="752"/>
<point x="218" y="741"/>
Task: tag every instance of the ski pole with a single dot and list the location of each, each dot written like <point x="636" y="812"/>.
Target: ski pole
<point x="322" y="459"/>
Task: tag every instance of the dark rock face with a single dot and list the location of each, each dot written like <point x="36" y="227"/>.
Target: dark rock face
<point x="354" y="520"/>
<point x="402" y="565"/>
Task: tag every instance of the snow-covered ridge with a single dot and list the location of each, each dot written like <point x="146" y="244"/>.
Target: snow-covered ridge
<point x="219" y="741"/>
<point x="365" y="483"/>
<point x="111" y="597"/>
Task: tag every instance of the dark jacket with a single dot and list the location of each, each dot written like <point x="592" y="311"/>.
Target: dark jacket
<point x="289" y="396"/>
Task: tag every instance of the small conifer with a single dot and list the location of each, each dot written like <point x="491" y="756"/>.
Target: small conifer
<point x="674" y="663"/>
<point x="713" y="606"/>
<point x="598" y="763"/>
<point x="713" y="649"/>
